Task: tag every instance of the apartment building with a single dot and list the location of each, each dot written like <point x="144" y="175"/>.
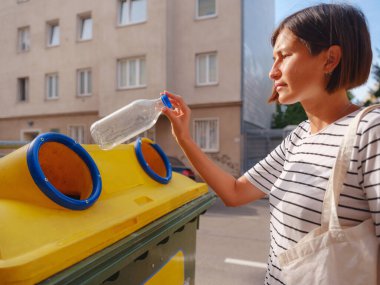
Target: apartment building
<point x="65" y="64"/>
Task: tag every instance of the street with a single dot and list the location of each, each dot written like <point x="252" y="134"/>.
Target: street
<point x="232" y="244"/>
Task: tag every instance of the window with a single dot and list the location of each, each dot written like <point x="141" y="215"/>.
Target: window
<point x="131" y="73"/>
<point x="52" y="86"/>
<point x="23" y="39"/>
<point x="84" y="79"/>
<point x="206" y="134"/>
<point x="206" y="69"/>
<point x="206" y="8"/>
<point x="76" y="132"/>
<point x="29" y="135"/>
<point x="23" y="89"/>
<point x="53" y="33"/>
<point x="132" y="11"/>
<point x="85" y="27"/>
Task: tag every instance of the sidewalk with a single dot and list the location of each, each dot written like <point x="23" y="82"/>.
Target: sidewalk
<point x="232" y="244"/>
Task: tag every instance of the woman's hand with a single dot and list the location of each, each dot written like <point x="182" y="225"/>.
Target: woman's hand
<point x="233" y="191"/>
<point x="179" y="117"/>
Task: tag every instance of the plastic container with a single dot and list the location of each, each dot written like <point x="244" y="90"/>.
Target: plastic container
<point x="128" y="122"/>
<point x="135" y="218"/>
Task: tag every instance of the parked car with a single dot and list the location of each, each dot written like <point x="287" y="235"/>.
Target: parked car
<point x="180" y="167"/>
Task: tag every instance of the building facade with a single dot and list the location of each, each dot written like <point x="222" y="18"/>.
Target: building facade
<point x="66" y="64"/>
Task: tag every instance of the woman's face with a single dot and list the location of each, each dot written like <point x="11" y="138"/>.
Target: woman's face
<point x="298" y="76"/>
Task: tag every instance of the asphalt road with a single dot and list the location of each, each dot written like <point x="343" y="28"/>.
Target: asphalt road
<point x="232" y="245"/>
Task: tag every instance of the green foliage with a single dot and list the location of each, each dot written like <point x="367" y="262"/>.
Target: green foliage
<point x="288" y="115"/>
<point x="375" y="94"/>
<point x="376" y="73"/>
<point x="292" y="114"/>
<point x="376" y="69"/>
<point x="350" y="96"/>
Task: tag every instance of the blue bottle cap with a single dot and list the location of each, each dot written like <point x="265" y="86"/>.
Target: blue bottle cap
<point x="166" y="101"/>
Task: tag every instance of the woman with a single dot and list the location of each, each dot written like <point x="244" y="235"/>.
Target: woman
<point x="319" y="53"/>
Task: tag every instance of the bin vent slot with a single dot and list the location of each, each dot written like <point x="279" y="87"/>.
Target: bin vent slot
<point x="165" y="240"/>
<point x="193" y="220"/>
<point x="126" y="224"/>
<point x="113" y="277"/>
<point x="142" y="256"/>
<point x="143" y="200"/>
<point x="180" y="229"/>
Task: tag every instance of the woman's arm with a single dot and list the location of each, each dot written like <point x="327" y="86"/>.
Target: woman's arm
<point x="232" y="191"/>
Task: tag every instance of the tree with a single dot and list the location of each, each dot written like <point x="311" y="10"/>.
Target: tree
<point x="376" y="69"/>
<point x="288" y="115"/>
<point x="375" y="94"/>
<point x="292" y="114"/>
<point x="376" y="74"/>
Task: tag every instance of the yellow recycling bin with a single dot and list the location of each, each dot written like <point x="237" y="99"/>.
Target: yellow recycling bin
<point x="75" y="214"/>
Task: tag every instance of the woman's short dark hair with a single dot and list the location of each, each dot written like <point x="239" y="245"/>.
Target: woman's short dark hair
<point x="324" y="25"/>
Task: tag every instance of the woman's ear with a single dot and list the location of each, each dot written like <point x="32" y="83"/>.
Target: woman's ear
<point x="333" y="56"/>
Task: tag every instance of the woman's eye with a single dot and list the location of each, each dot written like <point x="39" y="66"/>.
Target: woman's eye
<point x="281" y="56"/>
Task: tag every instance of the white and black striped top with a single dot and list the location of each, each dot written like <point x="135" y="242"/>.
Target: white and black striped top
<point x="295" y="176"/>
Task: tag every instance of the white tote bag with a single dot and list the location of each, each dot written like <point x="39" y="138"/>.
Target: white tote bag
<point x="331" y="254"/>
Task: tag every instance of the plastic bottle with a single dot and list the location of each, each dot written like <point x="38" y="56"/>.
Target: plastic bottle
<point x="128" y="122"/>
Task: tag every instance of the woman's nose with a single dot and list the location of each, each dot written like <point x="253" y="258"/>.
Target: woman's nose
<point x="275" y="72"/>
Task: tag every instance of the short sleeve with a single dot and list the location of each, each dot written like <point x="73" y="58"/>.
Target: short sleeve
<point x="369" y="157"/>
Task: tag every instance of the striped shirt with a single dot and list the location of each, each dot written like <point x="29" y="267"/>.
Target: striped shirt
<point x="295" y="177"/>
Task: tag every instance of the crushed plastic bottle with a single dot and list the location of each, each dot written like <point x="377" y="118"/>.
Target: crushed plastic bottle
<point x="128" y="122"/>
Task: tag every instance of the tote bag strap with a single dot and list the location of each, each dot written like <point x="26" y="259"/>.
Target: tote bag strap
<point x="335" y="184"/>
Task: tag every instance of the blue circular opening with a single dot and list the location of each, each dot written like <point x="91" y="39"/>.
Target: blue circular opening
<point x="145" y="163"/>
<point x="47" y="187"/>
